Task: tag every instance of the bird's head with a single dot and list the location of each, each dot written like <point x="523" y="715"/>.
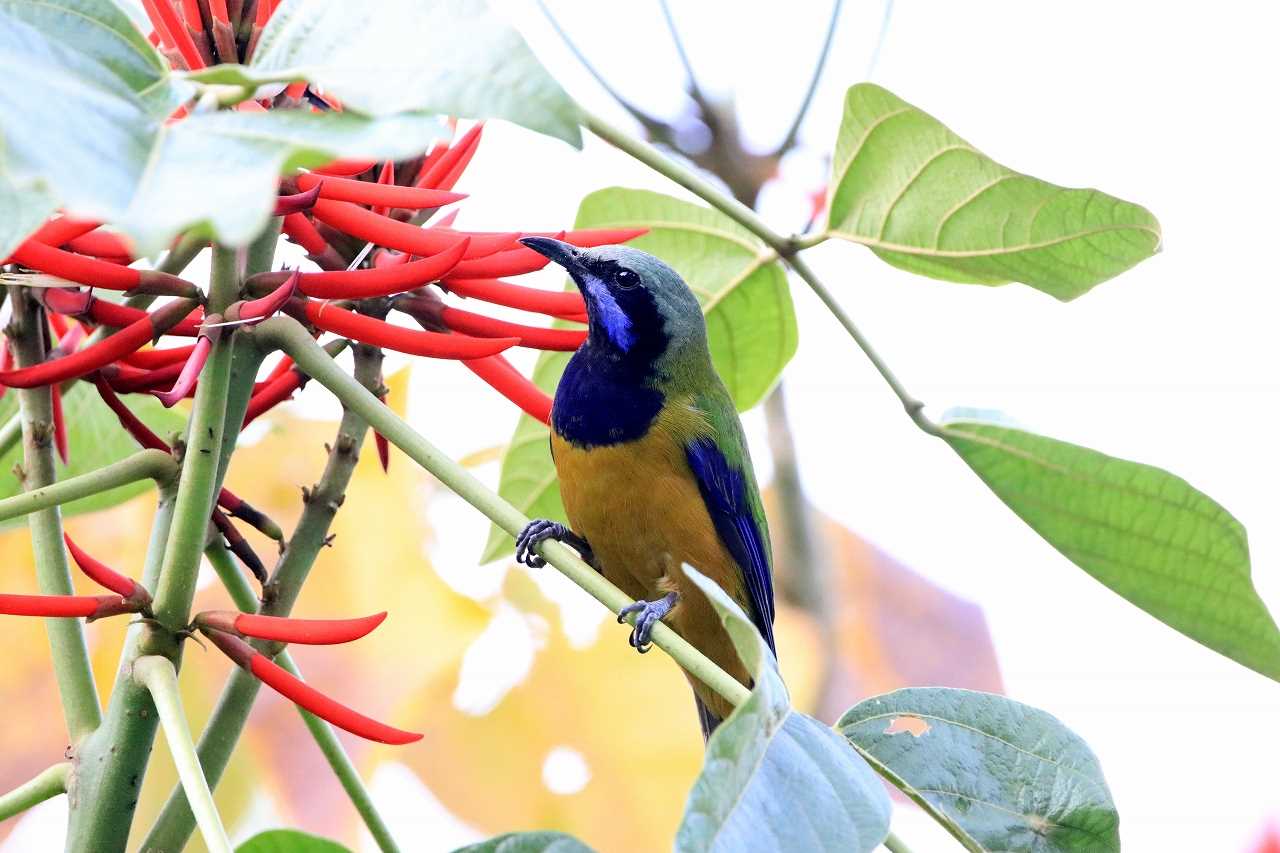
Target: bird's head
<point x="637" y="306"/>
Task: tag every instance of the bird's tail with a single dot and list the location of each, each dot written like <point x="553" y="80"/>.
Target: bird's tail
<point x="706" y="719"/>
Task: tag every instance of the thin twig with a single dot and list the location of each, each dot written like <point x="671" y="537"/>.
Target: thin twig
<point x="794" y="131"/>
<point x="49" y="783"/>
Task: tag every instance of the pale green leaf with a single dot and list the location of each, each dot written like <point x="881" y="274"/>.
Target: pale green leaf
<point x="81" y="129"/>
<point x="1147" y="534"/>
<point x="925" y="200"/>
<point x="1012" y="777"/>
<point x="445" y="56"/>
<point x="751" y="324"/>
<point x="289" y="841"/>
<point x="528" y="842"/>
<point x="95" y="439"/>
<point x="775" y="779"/>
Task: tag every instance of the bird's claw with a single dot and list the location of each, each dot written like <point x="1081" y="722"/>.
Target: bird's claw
<point x="542" y="529"/>
<point x="648" y="614"/>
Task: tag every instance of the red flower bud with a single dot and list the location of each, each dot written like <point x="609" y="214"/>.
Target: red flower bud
<point x="150" y="359"/>
<point x="445" y="171"/>
<point x="315" y="632"/>
<point x="59" y="425"/>
<point x="96" y="273"/>
<point x="537" y="337"/>
<point x="366" y="192"/>
<point x="379" y="333"/>
<point x="498" y="292"/>
<point x="510" y="383"/>
<point x="91" y="606"/>
<point x="107" y="577"/>
<point x="369" y="283"/>
<point x="383" y="231"/>
<point x="300" y="230"/>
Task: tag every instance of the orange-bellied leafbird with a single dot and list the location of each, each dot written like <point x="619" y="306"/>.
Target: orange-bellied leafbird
<point x="653" y="465"/>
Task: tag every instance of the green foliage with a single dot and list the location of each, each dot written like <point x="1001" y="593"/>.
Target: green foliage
<point x="289" y="841"/>
<point x="442" y="56"/>
<point x="743" y="291"/>
<point x="94" y="439"/>
<point x="1011" y="776"/>
<point x="925" y="200"/>
<point x="1145" y="533"/>
<point x="774" y="778"/>
<point x="528" y="842"/>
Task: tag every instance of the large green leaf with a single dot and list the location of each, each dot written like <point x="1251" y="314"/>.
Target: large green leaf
<point x="95" y="438"/>
<point x="742" y="288"/>
<point x="81" y="116"/>
<point x="925" y="200"/>
<point x="289" y="841"/>
<point x="1145" y="533"/>
<point x="1013" y="777"/>
<point x="528" y="842"/>
<point x="444" y="56"/>
<point x="775" y="779"/>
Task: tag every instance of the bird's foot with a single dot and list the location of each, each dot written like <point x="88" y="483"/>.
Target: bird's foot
<point x="648" y="614"/>
<point x="542" y="529"/>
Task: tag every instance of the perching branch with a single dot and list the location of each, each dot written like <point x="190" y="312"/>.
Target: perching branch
<point x="161" y="680"/>
<point x="48" y="784"/>
<point x="290" y="336"/>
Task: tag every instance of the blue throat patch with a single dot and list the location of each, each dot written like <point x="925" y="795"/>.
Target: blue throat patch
<point x="607" y="395"/>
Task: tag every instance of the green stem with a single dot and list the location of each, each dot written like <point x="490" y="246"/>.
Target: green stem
<point x="786" y="247"/>
<point x="161" y="680"/>
<point x="288" y="335"/>
<point x="200" y="465"/>
<point x="10" y="434"/>
<point x="694" y="183"/>
<point x="223" y="729"/>
<point x="794" y="131"/>
<point x="181" y="255"/>
<point x="143" y="465"/>
<point x="112" y="762"/>
<point x="894" y="844"/>
<point x="66" y="636"/>
<point x="51" y="782"/>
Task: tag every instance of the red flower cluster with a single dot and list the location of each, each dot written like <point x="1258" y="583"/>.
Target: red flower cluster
<point x="332" y="212"/>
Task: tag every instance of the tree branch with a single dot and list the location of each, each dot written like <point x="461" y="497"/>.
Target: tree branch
<point x="48" y="784"/>
<point x="794" y="131"/>
<point x="143" y="465"/>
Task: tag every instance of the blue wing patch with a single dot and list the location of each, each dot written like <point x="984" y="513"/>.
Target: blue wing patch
<point x="724" y="491"/>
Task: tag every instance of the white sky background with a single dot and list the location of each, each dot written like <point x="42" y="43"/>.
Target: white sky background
<point x="1174" y="363"/>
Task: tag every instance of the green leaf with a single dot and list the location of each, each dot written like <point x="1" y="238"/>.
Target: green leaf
<point x="289" y="841"/>
<point x="1145" y="533"/>
<point x="528" y="842"/>
<point x="925" y="200"/>
<point x="81" y="116"/>
<point x="773" y="778"/>
<point x="1013" y="777"/>
<point x="95" y="438"/>
<point x="222" y="169"/>
<point x="751" y="324"/>
<point x="443" y="56"/>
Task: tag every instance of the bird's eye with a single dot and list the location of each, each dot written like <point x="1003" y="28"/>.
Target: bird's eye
<point x="626" y="279"/>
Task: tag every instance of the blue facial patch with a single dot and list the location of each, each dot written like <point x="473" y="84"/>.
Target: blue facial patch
<point x="616" y="323"/>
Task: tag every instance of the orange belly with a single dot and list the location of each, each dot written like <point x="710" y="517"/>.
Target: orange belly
<point x="639" y="506"/>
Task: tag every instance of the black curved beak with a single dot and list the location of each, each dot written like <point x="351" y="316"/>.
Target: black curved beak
<point x="562" y="253"/>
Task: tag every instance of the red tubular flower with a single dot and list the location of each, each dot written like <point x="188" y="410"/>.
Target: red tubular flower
<point x="6" y="363"/>
<point x="511" y="262"/>
<point x="102" y="245"/>
<point x="585" y="238"/>
<point x="128" y="339"/>
<point x="107" y="313"/>
<point x="379" y="333"/>
<point x="91" y="606"/>
<point x="460" y="153"/>
<point x="313" y="632"/>
<point x="512" y="384"/>
<point x="346" y="168"/>
<point x="165" y="18"/>
<point x="59" y="426"/>
<point x="498" y="292"/>
<point x="367" y="225"/>
<point x="96" y="273"/>
<point x="239" y="546"/>
<point x="561" y="340"/>
<point x="57" y="231"/>
<point x="428" y="160"/>
<point x="186" y="380"/>
<point x="107" y="577"/>
<point x="369" y="283"/>
<point x="273" y="393"/>
<point x="124" y="379"/>
<point x="255" y="310"/>
<point x="132" y="424"/>
<point x="150" y="359"/>
<point x="301" y="231"/>
<point x="366" y="192"/>
<point x="296" y="203"/>
<point x="381" y="443"/>
<point x="304" y="695"/>
<point x="384" y="258"/>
